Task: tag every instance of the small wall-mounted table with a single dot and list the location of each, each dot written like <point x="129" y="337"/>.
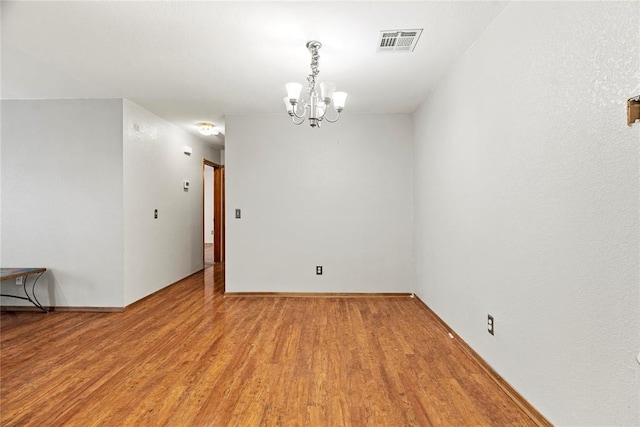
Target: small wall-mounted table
<point x="14" y="273"/>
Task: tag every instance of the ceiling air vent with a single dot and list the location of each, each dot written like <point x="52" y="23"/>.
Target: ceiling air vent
<point x="398" y="40"/>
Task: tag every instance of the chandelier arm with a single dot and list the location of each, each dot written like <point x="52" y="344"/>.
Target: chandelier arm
<point x="295" y="111"/>
<point x="293" y="119"/>
<point x="324" y="109"/>
<point x="332" y="121"/>
<point x="295" y="114"/>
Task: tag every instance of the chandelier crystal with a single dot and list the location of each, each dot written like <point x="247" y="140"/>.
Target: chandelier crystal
<point x="313" y="107"/>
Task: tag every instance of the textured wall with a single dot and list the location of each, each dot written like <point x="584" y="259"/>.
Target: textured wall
<point x="62" y="199"/>
<point x="164" y="250"/>
<point x="526" y="205"/>
<point x="339" y="196"/>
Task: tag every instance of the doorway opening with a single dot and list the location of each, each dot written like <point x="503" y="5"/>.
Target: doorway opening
<point x="212" y="213"/>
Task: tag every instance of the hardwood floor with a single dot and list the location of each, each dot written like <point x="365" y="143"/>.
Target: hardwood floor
<point x="187" y="356"/>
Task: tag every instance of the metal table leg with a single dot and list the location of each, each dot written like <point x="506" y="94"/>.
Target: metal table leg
<point x="31" y="298"/>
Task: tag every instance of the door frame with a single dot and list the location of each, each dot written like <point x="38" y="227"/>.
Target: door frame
<point x="218" y="214"/>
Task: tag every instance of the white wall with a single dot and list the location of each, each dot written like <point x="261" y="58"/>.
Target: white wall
<point x="526" y="206"/>
<point x="208" y="204"/>
<point x="56" y="156"/>
<point x="339" y="197"/>
<point x="160" y="251"/>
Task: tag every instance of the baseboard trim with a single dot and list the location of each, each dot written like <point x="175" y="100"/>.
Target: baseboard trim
<point x="317" y="294"/>
<point x="74" y="309"/>
<point x="522" y="403"/>
<point x="22" y="308"/>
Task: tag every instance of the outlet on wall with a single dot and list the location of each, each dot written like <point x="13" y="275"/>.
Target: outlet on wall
<point x="319" y="270"/>
<point x="490" y="324"/>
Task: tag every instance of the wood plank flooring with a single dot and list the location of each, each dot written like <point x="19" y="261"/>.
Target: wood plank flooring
<point x="186" y="356"/>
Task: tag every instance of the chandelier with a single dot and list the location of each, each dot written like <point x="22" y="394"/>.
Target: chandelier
<point x="314" y="107"/>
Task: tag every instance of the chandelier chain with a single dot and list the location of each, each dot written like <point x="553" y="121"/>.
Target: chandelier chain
<point x="311" y="78"/>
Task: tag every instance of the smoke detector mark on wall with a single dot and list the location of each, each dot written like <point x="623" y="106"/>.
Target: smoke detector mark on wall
<point x="398" y="40"/>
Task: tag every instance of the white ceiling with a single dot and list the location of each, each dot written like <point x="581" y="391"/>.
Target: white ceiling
<point x="198" y="61"/>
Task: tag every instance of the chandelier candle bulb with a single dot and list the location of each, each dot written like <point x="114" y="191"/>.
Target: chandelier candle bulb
<point x="293" y="91"/>
<point x="288" y="104"/>
<point x="339" y="99"/>
<point x="326" y="91"/>
<point x="315" y="105"/>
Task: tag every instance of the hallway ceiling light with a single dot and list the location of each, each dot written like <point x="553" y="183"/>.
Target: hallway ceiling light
<point x="206" y="128"/>
<point x="315" y="107"/>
